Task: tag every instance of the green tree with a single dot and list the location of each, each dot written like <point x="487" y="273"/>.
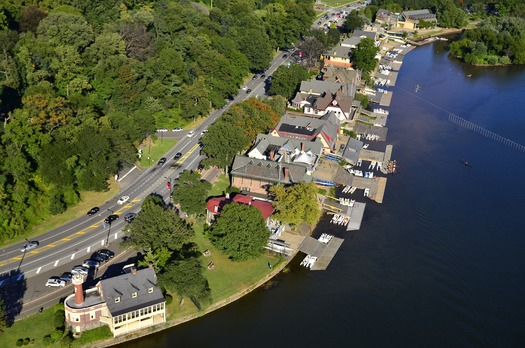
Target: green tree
<point x="451" y="16"/>
<point x="185" y="278"/>
<point x="65" y="29"/>
<point x="156" y="227"/>
<point x="297" y="203"/>
<point x="364" y="56"/>
<point x="191" y="192"/>
<point x="220" y="133"/>
<point x="240" y="231"/>
<point x="286" y="80"/>
<point x="312" y="49"/>
<point x="353" y="21"/>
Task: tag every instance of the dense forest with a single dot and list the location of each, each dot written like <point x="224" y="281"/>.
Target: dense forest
<point x="84" y="82"/>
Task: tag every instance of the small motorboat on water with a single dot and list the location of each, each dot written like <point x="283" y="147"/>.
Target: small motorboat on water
<point x="466" y="163"/>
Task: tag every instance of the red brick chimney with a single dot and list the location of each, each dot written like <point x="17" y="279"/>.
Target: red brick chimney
<point x="285" y="174"/>
<point x="272" y="155"/>
<point x="79" y="293"/>
<point x="302" y="147"/>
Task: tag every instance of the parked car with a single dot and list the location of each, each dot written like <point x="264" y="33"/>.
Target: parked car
<point x="111" y="218"/>
<point x="161" y="161"/>
<point x="162" y="130"/>
<point x="91" y="264"/>
<point x="66" y="276"/>
<point x="129" y="217"/>
<point x="263" y="76"/>
<point x="80" y="270"/>
<point x="123" y="200"/>
<point x="177" y="155"/>
<point x="55" y="282"/>
<point x="190" y="133"/>
<point x="93" y="211"/>
<point x="178" y="129"/>
<point x="107" y="252"/>
<point x="99" y="257"/>
<point x="248" y="90"/>
<point x="204" y="131"/>
<point x="29" y="246"/>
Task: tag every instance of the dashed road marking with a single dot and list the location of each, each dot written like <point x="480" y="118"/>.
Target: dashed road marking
<point x="56" y="263"/>
<point x="38" y="270"/>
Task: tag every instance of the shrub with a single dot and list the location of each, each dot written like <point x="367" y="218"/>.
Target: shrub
<point x="27" y="340"/>
<point x="48" y="340"/>
<point x="57" y="334"/>
<point x="19" y="342"/>
<point x="100" y="333"/>
<point x="59" y="318"/>
<point x="168" y="298"/>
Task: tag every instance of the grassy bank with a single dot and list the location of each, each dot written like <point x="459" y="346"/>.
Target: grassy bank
<point x="153" y="149"/>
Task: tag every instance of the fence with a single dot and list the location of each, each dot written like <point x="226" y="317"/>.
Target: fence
<point x="486" y="133"/>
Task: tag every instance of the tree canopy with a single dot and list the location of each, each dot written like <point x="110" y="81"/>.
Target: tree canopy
<point x="191" y="192"/>
<point x="297" y="203"/>
<point x="156" y="227"/>
<point x="83" y="83"/>
<point x="240" y="231"/>
<point x="286" y="80"/>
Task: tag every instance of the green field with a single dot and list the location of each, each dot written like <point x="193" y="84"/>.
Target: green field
<point x="152" y="150"/>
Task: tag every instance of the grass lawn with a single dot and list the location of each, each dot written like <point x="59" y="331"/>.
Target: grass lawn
<point x="226" y="278"/>
<point x="154" y="149"/>
<point x="220" y="186"/>
<point x="34" y="327"/>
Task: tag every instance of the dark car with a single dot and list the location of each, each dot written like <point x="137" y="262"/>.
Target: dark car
<point x="93" y="211"/>
<point x="285" y="55"/>
<point x="248" y="90"/>
<point x="129" y="217"/>
<point x="107" y="252"/>
<point x="100" y="258"/>
<point x="66" y="276"/>
<point x="161" y="161"/>
<point x="263" y="76"/>
<point x="177" y="155"/>
<point x="111" y="218"/>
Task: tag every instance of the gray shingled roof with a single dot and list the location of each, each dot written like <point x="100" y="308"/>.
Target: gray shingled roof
<point x="265" y="142"/>
<point x="360" y="33"/>
<point x="125" y="285"/>
<point x="247" y="167"/>
<point x="319" y="87"/>
<point x="352" y="150"/>
<point x="361" y="128"/>
<point x="308" y="127"/>
<point x="339" y="52"/>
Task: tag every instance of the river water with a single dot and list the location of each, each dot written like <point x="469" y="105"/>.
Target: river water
<point x="440" y="262"/>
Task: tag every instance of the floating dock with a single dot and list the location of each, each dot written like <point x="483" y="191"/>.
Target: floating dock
<point x="324" y="252"/>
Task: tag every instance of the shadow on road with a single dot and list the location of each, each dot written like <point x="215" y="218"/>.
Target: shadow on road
<point x="13" y="286"/>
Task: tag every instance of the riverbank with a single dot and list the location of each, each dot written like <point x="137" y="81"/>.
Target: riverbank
<point x="174" y="322"/>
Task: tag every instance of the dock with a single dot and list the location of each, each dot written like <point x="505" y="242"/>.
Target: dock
<point x="324" y="252"/>
<point x="356" y="214"/>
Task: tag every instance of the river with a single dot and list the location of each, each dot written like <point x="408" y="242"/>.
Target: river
<point x="440" y="262"/>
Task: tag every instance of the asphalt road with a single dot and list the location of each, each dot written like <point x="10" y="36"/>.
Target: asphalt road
<point x="71" y="243"/>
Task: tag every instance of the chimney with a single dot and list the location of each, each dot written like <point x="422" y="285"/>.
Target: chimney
<point x="227" y="195"/>
<point x="272" y="155"/>
<point x="302" y="147"/>
<point x="215" y="209"/>
<point x="79" y="293"/>
<point x="285" y="174"/>
<point x="133" y="271"/>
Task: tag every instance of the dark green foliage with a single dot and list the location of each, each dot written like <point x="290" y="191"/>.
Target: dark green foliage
<point x="156" y="227"/>
<point x="20" y="342"/>
<point x="59" y="318"/>
<point x="94" y="335"/>
<point x="240" y="231"/>
<point x="83" y="82"/>
<point x="353" y="21"/>
<point x="186" y="279"/>
<point x="191" y="192"/>
<point x="3" y="317"/>
<point x="286" y="80"/>
<point x="168" y="298"/>
<point x="363" y="57"/>
<point x="495" y="41"/>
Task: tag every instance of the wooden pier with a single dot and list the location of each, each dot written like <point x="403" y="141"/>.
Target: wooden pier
<point x="324" y="252"/>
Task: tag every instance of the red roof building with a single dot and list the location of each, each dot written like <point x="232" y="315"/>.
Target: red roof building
<point x="215" y="205"/>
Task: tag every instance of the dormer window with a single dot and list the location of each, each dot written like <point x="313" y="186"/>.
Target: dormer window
<point x="134" y="294"/>
<point x="117" y="299"/>
<point x="150" y="290"/>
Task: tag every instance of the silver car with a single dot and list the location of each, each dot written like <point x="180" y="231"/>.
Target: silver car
<point x="29" y="246"/>
<point x="55" y="282"/>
